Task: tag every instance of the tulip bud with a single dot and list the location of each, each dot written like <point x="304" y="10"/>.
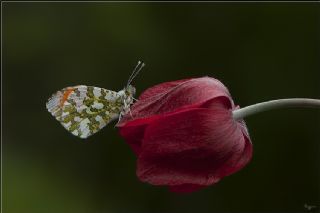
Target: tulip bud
<point x="184" y="134"/>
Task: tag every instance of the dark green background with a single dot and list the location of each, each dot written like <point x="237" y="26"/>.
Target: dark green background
<point x="260" y="51"/>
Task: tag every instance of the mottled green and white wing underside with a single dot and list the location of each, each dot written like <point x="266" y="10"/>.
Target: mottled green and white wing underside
<point x="84" y="110"/>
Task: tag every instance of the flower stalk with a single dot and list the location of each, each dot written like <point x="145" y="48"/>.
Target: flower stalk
<point x="239" y="114"/>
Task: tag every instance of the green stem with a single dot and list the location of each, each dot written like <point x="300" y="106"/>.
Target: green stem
<point x="239" y="114"/>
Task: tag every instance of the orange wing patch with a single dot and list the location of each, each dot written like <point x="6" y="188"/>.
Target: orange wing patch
<point x="65" y="95"/>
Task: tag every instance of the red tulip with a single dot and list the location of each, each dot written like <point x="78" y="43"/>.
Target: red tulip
<point x="184" y="135"/>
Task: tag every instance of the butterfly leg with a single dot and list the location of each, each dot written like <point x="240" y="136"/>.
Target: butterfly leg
<point x="120" y="116"/>
<point x="130" y="113"/>
<point x="123" y="112"/>
<point x="127" y="107"/>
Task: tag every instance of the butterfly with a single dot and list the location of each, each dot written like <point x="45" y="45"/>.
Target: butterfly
<point x="84" y="110"/>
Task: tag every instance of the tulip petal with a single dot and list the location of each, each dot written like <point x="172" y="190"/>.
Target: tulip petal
<point x="133" y="132"/>
<point x="167" y="98"/>
<point x="172" y="96"/>
<point x="160" y="89"/>
<point x="194" y="146"/>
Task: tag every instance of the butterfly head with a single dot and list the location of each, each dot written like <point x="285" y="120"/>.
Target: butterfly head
<point x="130" y="90"/>
<point x="127" y="95"/>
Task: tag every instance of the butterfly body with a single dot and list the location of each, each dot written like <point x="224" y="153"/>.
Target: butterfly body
<point x="84" y="110"/>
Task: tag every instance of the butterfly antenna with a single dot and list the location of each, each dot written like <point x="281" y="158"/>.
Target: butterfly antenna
<point x="135" y="72"/>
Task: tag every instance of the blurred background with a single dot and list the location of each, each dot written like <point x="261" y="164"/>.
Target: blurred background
<point x="259" y="51"/>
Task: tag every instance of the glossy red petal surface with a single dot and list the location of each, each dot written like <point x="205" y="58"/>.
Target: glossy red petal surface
<point x="195" y="146"/>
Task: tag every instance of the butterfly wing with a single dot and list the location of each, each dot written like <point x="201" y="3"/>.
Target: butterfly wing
<point x="84" y="110"/>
